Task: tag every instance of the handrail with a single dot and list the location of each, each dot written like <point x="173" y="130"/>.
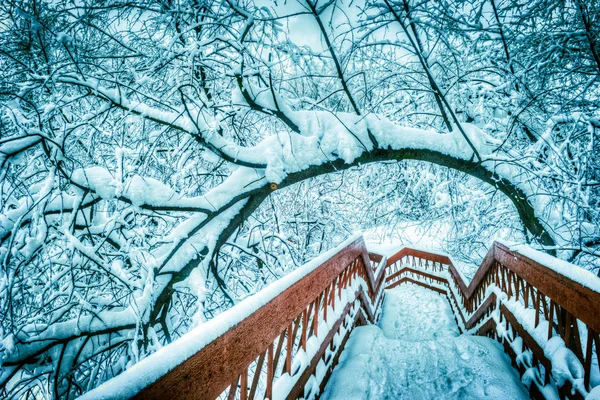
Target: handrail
<point x="275" y="350"/>
<point x="509" y="283"/>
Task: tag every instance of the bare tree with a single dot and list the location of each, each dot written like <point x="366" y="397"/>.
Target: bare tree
<point x="145" y="147"/>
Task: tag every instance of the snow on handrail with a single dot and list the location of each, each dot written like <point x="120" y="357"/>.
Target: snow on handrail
<point x="268" y="345"/>
<point x="545" y="311"/>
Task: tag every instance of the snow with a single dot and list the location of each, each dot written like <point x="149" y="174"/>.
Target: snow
<point x="156" y="257"/>
<point x="416" y="353"/>
<point x="399" y="320"/>
<point x="584" y="277"/>
<point x="594" y="394"/>
<point x="148" y="191"/>
<point x="98" y="179"/>
<point x="158" y="364"/>
<point x="565" y="364"/>
<point x="63" y="38"/>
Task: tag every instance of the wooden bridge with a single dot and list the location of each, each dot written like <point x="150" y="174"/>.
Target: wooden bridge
<point x="297" y="334"/>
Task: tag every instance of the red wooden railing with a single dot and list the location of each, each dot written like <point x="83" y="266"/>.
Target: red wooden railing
<point x="245" y="361"/>
<point x="288" y="347"/>
<point x="507" y="288"/>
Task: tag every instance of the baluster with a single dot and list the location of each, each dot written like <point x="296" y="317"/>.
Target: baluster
<point x="257" y="372"/>
<point x="303" y="333"/>
<point x="298" y="324"/>
<point x="566" y="317"/>
<point x="289" y="348"/>
<point x="551" y="319"/>
<point x="497" y="268"/>
<point x="537" y="309"/>
<point x="587" y="365"/>
<point x="244" y="385"/>
<point x="561" y="319"/>
<point x="233" y="389"/>
<point x="278" y="351"/>
<point x="593" y="341"/>
<point x="529" y="293"/>
<point x="545" y="307"/>
<point x="309" y="323"/>
<point x="333" y="294"/>
<point x="573" y="337"/>
<point x="270" y="372"/>
<point x="325" y="303"/>
<point x="316" y="317"/>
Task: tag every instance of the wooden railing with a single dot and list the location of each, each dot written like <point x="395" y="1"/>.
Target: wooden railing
<point x="288" y="347"/>
<point x="274" y="352"/>
<point x="513" y="298"/>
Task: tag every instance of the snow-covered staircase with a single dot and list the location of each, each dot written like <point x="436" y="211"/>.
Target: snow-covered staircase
<point x="416" y="352"/>
<point x="288" y="340"/>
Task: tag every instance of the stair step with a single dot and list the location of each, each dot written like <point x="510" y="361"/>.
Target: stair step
<point x="416" y="352"/>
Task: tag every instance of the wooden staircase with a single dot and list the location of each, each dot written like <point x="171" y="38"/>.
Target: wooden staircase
<point x="288" y="347"/>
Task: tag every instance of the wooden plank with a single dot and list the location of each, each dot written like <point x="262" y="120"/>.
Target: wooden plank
<point x="442" y="259"/>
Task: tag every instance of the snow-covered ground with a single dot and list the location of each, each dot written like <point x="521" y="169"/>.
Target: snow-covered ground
<point x="416" y="352"/>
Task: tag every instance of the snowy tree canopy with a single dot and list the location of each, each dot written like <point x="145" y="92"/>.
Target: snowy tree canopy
<point x="161" y="160"/>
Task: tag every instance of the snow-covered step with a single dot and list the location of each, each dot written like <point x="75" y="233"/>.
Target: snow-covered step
<point x="416" y="352"/>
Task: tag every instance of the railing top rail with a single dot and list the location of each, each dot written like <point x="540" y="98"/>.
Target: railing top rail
<point x="580" y="298"/>
<point x="440" y="258"/>
<point x="375" y="257"/>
